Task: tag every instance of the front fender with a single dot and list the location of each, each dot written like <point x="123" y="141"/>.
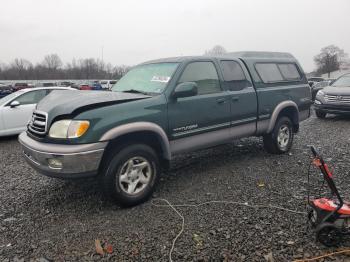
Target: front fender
<point x="137" y="127"/>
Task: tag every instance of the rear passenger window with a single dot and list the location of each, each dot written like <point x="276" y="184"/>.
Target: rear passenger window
<point x="234" y="76"/>
<point x="204" y="75"/>
<point x="269" y="73"/>
<point x="277" y="72"/>
<point x="289" y="71"/>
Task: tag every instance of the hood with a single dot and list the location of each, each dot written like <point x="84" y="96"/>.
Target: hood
<point x="333" y="90"/>
<point x="68" y="102"/>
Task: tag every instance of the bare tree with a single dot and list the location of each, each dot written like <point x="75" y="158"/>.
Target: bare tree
<point x="21" y="67"/>
<point x="119" y="71"/>
<point x="52" y="62"/>
<point x="216" y="50"/>
<point x="330" y="59"/>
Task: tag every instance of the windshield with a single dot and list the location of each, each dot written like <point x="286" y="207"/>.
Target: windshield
<point x="148" y="78"/>
<point x="343" y="81"/>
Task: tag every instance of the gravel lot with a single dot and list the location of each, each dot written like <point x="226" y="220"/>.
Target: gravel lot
<point x="46" y="219"/>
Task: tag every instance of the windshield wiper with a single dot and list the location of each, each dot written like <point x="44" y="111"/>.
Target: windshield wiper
<point x="135" y="91"/>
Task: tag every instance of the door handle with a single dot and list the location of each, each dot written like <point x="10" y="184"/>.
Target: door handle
<point x="235" y="98"/>
<point x="221" y="100"/>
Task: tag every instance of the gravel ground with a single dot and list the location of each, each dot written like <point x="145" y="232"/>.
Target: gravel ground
<point x="46" y="219"/>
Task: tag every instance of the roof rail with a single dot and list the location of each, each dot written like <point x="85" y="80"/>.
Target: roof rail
<point x="260" y="54"/>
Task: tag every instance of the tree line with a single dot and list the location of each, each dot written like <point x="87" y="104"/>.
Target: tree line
<point x="52" y="68"/>
<point x="328" y="60"/>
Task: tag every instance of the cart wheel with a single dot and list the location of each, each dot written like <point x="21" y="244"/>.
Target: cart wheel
<point x="328" y="234"/>
<point x="312" y="217"/>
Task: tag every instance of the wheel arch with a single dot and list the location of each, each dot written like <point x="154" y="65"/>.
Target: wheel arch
<point x="286" y="108"/>
<point x="141" y="132"/>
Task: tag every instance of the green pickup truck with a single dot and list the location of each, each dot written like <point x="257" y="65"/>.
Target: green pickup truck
<point x="162" y="108"/>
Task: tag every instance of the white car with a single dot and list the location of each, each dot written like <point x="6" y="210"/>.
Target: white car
<point x="16" y="109"/>
<point x="107" y="84"/>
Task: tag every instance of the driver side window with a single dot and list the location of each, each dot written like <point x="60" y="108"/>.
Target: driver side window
<point x="204" y="74"/>
<point x="31" y="97"/>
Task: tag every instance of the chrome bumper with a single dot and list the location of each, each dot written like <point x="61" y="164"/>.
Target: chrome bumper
<point x="76" y="161"/>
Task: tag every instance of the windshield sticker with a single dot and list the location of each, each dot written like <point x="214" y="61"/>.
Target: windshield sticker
<point x="162" y="79"/>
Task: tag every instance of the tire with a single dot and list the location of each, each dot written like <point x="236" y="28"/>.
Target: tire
<point x="328" y="234"/>
<point x="280" y="140"/>
<point x="320" y="114"/>
<point x="131" y="174"/>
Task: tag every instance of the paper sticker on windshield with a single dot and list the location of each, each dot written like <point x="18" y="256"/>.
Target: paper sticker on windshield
<point x="162" y="79"/>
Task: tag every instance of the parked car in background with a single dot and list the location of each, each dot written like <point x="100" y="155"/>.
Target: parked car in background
<point x="96" y="86"/>
<point x="334" y="99"/>
<point x="48" y="84"/>
<point x="19" y="86"/>
<point x="319" y="86"/>
<point x="107" y="84"/>
<point x="17" y="108"/>
<point x="163" y="108"/>
<point x="75" y="86"/>
<point x="65" y="83"/>
<point x="313" y="80"/>
<point x="112" y="83"/>
<point x="5" y="90"/>
<point x="85" y="87"/>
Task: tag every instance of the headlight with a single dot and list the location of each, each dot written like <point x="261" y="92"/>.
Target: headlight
<point x="317" y="102"/>
<point x="320" y="93"/>
<point x="69" y="128"/>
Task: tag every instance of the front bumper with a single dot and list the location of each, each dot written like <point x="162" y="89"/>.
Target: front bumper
<point x="333" y="108"/>
<point x="77" y="161"/>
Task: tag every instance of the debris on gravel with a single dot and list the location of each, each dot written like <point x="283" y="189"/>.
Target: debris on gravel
<point x="43" y="219"/>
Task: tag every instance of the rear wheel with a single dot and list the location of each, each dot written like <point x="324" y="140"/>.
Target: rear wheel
<point x="131" y="174"/>
<point x="320" y="114"/>
<point x="280" y="140"/>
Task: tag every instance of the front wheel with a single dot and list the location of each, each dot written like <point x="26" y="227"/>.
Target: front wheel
<point x="131" y="174"/>
<point x="280" y="140"/>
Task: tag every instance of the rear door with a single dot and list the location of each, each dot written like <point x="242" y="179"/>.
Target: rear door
<point x="243" y="98"/>
<point x="16" y="118"/>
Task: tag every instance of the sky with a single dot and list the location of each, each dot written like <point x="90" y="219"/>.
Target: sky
<point x="132" y="31"/>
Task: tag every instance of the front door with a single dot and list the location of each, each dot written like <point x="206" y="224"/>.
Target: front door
<point x="200" y="117"/>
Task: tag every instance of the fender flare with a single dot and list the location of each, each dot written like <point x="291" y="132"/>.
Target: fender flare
<point x="278" y="110"/>
<point x="138" y="127"/>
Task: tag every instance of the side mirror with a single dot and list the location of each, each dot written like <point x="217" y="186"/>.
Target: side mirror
<point x="14" y="104"/>
<point x="185" y="89"/>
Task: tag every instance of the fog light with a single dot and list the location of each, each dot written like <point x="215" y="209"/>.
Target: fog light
<point x="317" y="102"/>
<point x="55" y="163"/>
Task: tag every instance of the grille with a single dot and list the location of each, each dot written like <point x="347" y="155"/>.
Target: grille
<point x="337" y="99"/>
<point x="38" y="124"/>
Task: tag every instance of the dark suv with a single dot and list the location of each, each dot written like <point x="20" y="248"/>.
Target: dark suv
<point x="334" y="99"/>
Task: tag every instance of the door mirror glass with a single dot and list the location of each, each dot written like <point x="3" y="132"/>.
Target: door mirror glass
<point x="185" y="89"/>
<point x="14" y="103"/>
